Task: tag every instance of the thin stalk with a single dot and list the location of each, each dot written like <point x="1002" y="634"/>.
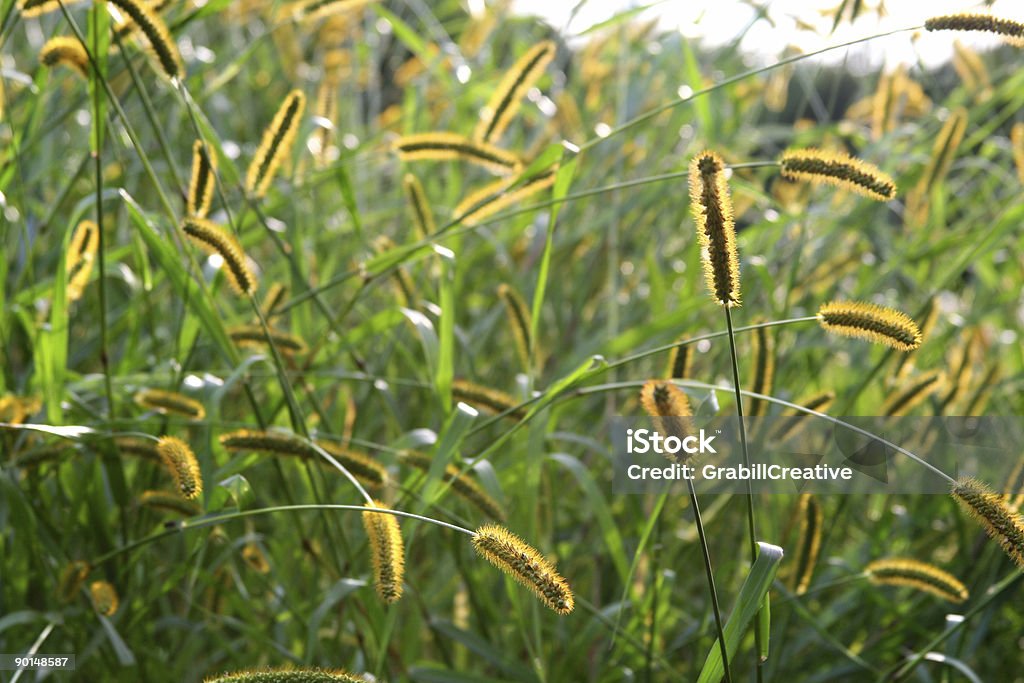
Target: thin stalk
<point x="751" y="528"/>
<point x="719" y="624"/>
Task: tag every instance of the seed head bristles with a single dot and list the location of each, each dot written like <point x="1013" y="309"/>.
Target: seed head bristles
<point x="214" y="239"/>
<point x="276" y="144"/>
<point x="1014" y="30"/>
<point x="254" y="557"/>
<point x="916" y="391"/>
<point x="796" y="420"/>
<point x="82" y="250"/>
<point x="33" y="8"/>
<point x="764" y="369"/>
<point x="152" y="26"/>
<point x="810" y="516"/>
<point x="170" y="403"/>
<point x="505" y="101"/>
<point x="944" y="150"/>
<point x="326" y="114"/>
<point x="972" y="70"/>
<point x="125" y="26"/>
<point x="200" y="188"/>
<point x="274" y="297"/>
<point x="422" y="213"/>
<point x="71" y="579"/>
<point x="362" y="467"/>
<point x="500" y="195"/>
<point x="133" y="445"/>
<point x="519" y="320"/>
<point x="837" y="169"/>
<point x="104" y="598"/>
<point x="65" y="51"/>
<point x="898" y="571"/>
<point x="871" y="322"/>
<point x="388" y="553"/>
<point x="253" y="336"/>
<point x="287" y="676"/>
<point x="679" y="362"/>
<point x="317" y="9"/>
<point x="461" y="483"/>
<point x="670" y="409"/>
<point x="167" y="501"/>
<point x="1001" y="523"/>
<point x="483" y="397"/>
<point x="183" y="466"/>
<point x="444" y="146"/>
<point x="1017" y="142"/>
<point x="711" y="206"/>
<point x="522" y="562"/>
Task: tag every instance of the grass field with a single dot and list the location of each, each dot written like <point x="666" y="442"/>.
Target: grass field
<point x="266" y="262"/>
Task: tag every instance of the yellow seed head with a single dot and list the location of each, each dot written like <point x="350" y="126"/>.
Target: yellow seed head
<point x="505" y="101"/>
<point x="200" y="189"/>
<point x="1001" y="523"/>
<point x="253" y="336"/>
<point x="489" y="399"/>
<point x="153" y="27"/>
<point x="214" y="239"/>
<point x="65" y="51"/>
<point x="842" y="170"/>
<point x="515" y="557"/>
<point x="104" y="598"/>
<point x="81" y="255"/>
<point x="502" y="194"/>
<point x="809" y="513"/>
<point x="388" y="554"/>
<point x="34" y="8"/>
<point x="977" y="22"/>
<point x="182" y="464"/>
<point x="444" y="146"/>
<point x="711" y="206"/>
<point x="461" y="482"/>
<point x="422" y="214"/>
<point x="668" y="406"/>
<point x="898" y="571"/>
<point x="287" y="676"/>
<point x="167" y="501"/>
<point x="170" y="403"/>
<point x="916" y="390"/>
<point x="871" y="322"/>
<point x="71" y="579"/>
<point x="276" y="144"/>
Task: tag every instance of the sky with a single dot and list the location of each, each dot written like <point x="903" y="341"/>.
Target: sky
<point x="720" y="21"/>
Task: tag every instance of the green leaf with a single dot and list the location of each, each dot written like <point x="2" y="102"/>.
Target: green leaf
<point x="750" y="600"/>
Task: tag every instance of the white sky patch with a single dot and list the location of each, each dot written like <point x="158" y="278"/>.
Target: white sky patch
<point x="720" y="22"/>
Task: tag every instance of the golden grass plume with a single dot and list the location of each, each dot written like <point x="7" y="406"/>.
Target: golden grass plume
<point x="525" y="564"/>
<point x="711" y="206"/>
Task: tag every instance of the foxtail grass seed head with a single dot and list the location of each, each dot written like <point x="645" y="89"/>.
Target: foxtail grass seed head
<point x="1007" y="28"/>
<point x="810" y="516"/>
<point x="276" y="144"/>
<point x="72" y="577"/>
<point x="137" y="446"/>
<point x="170" y="403"/>
<point x="286" y="676"/>
<point x="519" y="321"/>
<point x="796" y="420"/>
<point x="679" y="362"/>
<point x="914" y="393"/>
<point x="34" y="8"/>
<point x="152" y="26"/>
<point x="388" y="553"/>
<point x="64" y="51"/>
<point x="670" y="409"/>
<point x="505" y="101"/>
<point x="253" y="556"/>
<point x="274" y="443"/>
<point x="82" y="250"/>
<point x="309" y="10"/>
<point x="167" y="501"/>
<point x="422" y="213"/>
<point x="104" y="598"/>
<point x="489" y="399"/>
<point x="944" y="150"/>
<point x="502" y="194"/>
<point x="841" y="170"/>
<point x="214" y="239"/>
<point x="1014" y="488"/>
<point x="1017" y="141"/>
<point x="1001" y="523"/>
<point x="711" y="206"/>
<point x="364" y="468"/>
<point x="183" y="466"/>
<point x="898" y="571"/>
<point x="525" y="564"/>
<point x="447" y="146"/>
<point x="254" y="336"/>
<point x="272" y="301"/>
<point x="200" y="188"/>
<point x="462" y="484"/>
<point x="871" y="322"/>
